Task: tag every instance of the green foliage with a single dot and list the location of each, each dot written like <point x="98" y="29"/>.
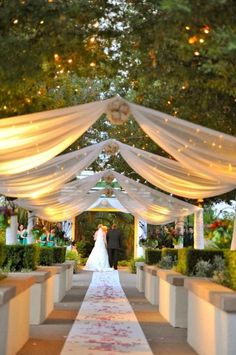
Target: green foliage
<point x="152" y="256"/>
<point x="123" y="262"/>
<point x="230" y="256"/>
<point x="132" y="262"/>
<point x="20" y="257"/>
<point x="59" y="255"/>
<point x="84" y="248"/>
<point x="167" y="262"/>
<point x="2" y="254"/>
<point x="73" y="255"/>
<point x="46" y="256"/>
<point x="169" y="251"/>
<point x="188" y="258"/>
<point x="219" y="233"/>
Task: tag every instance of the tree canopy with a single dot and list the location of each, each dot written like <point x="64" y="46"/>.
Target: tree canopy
<point x="174" y="56"/>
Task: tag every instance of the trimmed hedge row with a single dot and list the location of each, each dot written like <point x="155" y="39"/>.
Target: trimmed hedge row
<point x="187" y="259"/>
<point x="230" y="257"/>
<point x="170" y="251"/>
<point x="152" y="256"/>
<point x="20" y="257"/>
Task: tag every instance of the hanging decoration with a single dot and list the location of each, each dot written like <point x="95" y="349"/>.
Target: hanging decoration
<point x="111" y="148"/>
<point x="118" y="112"/>
<point x="108" y="178"/>
<point x="108" y="192"/>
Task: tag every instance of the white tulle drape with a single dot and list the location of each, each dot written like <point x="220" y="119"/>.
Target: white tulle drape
<point x="194" y="146"/>
<point x="171" y="176"/>
<point x="146" y="203"/>
<point x="51" y="175"/>
<point x="30" y="140"/>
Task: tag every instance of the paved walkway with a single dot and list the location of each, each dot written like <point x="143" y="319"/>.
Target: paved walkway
<point x="48" y="338"/>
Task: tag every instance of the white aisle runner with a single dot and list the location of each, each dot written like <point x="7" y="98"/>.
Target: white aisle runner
<point x="106" y="323"/>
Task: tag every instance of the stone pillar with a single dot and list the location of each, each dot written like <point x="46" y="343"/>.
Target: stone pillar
<point x="73" y="220"/>
<point x="198" y="229"/>
<point x="233" y="242"/>
<point x="140" y="232"/>
<point x="31" y="218"/>
<point x="11" y="231"/>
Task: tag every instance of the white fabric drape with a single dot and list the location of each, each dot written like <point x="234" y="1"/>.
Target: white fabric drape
<point x="170" y="176"/>
<point x="198" y="229"/>
<point x="194" y="146"/>
<point x="30" y="140"/>
<point x="147" y="204"/>
<point x="233" y="242"/>
<point x="51" y="175"/>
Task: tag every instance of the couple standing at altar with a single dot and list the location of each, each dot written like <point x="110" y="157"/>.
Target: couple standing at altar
<point x="105" y="252"/>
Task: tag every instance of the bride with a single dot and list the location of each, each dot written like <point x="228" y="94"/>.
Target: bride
<point x="98" y="259"/>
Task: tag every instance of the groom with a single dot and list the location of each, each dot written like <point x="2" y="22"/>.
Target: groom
<point x="114" y="236"/>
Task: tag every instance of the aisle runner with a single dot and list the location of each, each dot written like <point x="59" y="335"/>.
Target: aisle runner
<point x="106" y="323"/>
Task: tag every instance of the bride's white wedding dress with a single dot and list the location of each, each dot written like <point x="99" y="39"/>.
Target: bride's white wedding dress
<point x="98" y="259"/>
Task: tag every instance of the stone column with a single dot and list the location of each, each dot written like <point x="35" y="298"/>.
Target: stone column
<point x="31" y="220"/>
<point x="233" y="242"/>
<point x="198" y="229"/>
<point x="11" y="231"/>
<point x="140" y="232"/>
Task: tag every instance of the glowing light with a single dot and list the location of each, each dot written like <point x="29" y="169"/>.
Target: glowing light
<point x="96" y="24"/>
<point x="192" y="39"/>
<point x="169" y="102"/>
<point x="92" y="64"/>
<point x="92" y="39"/>
<point x="70" y="61"/>
<point x="41" y="22"/>
<point x="56" y="57"/>
<point x="201" y="40"/>
<point x="197" y="53"/>
<point x="15" y="21"/>
<point x="4" y="107"/>
<point x="230" y="167"/>
<point x="187" y="28"/>
<point x="183" y="87"/>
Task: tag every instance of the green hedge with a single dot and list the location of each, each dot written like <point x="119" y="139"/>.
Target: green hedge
<point x="2" y="255"/>
<point x="170" y="251"/>
<point x="230" y="256"/>
<point x="20" y="257"/>
<point x="59" y="255"/>
<point x="46" y="256"/>
<point x="152" y="256"/>
<point x="187" y="259"/>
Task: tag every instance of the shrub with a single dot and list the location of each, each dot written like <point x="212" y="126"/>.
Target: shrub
<point x="167" y="261"/>
<point x="230" y="256"/>
<point x="46" y="256"/>
<point x="132" y="266"/>
<point x="59" y="255"/>
<point x="188" y="258"/>
<point x="20" y="257"/>
<point x="123" y="263"/>
<point x="170" y="251"/>
<point x="73" y="255"/>
<point x="83" y="261"/>
<point x="152" y="256"/>
<point x="84" y="248"/>
<point x="2" y="254"/>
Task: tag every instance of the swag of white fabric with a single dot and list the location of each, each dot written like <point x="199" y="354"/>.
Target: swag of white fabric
<point x="195" y="147"/>
<point x="30" y="140"/>
<point x="62" y="210"/>
<point x="146" y="203"/>
<point x="164" y="173"/>
<point x="50" y="176"/>
<point x="171" y="176"/>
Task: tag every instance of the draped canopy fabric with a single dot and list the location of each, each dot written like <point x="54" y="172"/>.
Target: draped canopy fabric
<point x="194" y="146"/>
<point x="164" y="173"/>
<point x="147" y="204"/>
<point x="30" y="140"/>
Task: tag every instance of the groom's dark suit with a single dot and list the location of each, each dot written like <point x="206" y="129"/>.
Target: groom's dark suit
<point x="114" y="237"/>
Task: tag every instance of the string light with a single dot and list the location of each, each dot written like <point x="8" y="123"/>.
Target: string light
<point x="92" y="64"/>
<point x="197" y="53"/>
<point x="41" y="22"/>
<point x="70" y="61"/>
<point x="15" y="21"/>
<point x="92" y="39"/>
<point x="201" y="40"/>
<point x="56" y="57"/>
<point x="192" y="40"/>
<point x="187" y="28"/>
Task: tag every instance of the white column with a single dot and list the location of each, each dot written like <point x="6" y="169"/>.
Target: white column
<point x="11" y="231"/>
<point x="233" y="242"/>
<point x="31" y="218"/>
<point x="179" y="223"/>
<point x="140" y="232"/>
<point x="198" y="229"/>
<point x="73" y="228"/>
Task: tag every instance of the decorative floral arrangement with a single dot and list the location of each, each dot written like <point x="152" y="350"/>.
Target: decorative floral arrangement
<point x="118" y="112"/>
<point x="108" y="178"/>
<point x="111" y="148"/>
<point x="220" y="232"/>
<point x="108" y="192"/>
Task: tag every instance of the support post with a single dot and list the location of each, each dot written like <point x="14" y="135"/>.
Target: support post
<point x="233" y="242"/>
<point x="31" y="218"/>
<point x="140" y="231"/>
<point x="198" y="229"/>
<point x="11" y="231"/>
